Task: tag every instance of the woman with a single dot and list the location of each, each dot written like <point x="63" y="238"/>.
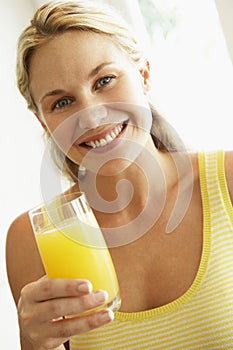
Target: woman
<point x="85" y="78"/>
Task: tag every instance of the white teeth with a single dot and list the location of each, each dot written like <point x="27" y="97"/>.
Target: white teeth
<point x="108" y="138"/>
<point x="92" y="144"/>
<point x="103" y="142"/>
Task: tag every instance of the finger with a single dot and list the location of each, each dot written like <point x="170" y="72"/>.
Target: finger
<point x="56" y="308"/>
<point x="50" y="288"/>
<point x="66" y="328"/>
<point x="42" y="330"/>
<point x="61" y="331"/>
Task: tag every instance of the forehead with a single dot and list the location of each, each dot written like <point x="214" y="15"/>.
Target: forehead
<point x="74" y="47"/>
<point x="73" y="53"/>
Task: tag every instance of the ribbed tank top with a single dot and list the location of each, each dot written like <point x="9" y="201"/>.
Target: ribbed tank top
<point x="202" y="318"/>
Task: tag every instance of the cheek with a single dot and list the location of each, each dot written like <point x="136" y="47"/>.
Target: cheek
<point x="137" y="91"/>
<point x="62" y="132"/>
<point x="75" y="155"/>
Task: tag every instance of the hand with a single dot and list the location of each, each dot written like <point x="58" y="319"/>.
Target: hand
<point x="44" y="303"/>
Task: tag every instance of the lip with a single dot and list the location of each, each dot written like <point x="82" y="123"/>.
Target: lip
<point x="103" y="135"/>
<point x="112" y="144"/>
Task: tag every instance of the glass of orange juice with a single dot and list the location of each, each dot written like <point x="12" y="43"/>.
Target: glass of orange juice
<point x="71" y="244"/>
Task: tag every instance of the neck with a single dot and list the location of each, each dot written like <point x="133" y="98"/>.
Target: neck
<point x="126" y="193"/>
<point x="129" y="203"/>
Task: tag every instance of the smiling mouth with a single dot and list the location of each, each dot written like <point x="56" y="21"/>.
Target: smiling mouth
<point x="108" y="137"/>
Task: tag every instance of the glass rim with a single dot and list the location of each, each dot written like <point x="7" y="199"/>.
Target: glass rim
<point x="44" y="207"/>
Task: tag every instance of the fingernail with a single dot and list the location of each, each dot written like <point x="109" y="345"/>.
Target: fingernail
<point x="100" y="296"/>
<point x="106" y="316"/>
<point x="85" y="287"/>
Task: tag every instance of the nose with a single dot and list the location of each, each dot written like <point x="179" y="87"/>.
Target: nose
<point x="92" y="117"/>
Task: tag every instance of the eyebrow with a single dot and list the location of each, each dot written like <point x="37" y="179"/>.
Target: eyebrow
<point x="51" y="93"/>
<point x="91" y="75"/>
<point x="98" y="68"/>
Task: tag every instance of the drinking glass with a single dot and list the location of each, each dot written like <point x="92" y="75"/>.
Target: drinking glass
<point x="71" y="244"/>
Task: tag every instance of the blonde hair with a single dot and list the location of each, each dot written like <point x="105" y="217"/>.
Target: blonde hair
<point x="55" y="18"/>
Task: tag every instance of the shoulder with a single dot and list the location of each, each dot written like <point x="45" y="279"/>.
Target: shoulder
<point x="22" y="256"/>
<point x="229" y="172"/>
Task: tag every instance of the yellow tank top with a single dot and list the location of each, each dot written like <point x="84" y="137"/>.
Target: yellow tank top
<point x="202" y="318"/>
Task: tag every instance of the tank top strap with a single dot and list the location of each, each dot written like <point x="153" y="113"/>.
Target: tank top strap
<point x="215" y="192"/>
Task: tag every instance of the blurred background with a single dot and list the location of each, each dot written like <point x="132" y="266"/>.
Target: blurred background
<point x="190" y="46"/>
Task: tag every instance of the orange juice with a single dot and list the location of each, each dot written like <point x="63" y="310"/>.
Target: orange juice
<point x="78" y="250"/>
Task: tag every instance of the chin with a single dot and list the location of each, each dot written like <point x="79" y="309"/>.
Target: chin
<point x="114" y="167"/>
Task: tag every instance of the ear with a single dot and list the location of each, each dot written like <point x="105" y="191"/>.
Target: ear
<point x="145" y="74"/>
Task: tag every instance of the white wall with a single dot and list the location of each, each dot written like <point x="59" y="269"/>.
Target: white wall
<point x="225" y="10"/>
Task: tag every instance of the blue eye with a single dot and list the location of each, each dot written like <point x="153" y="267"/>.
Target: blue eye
<point x="62" y="103"/>
<point x="103" y="81"/>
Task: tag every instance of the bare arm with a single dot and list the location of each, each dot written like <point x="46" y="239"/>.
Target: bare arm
<point x="23" y="264"/>
<point x="41" y="302"/>
<point x="229" y="172"/>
